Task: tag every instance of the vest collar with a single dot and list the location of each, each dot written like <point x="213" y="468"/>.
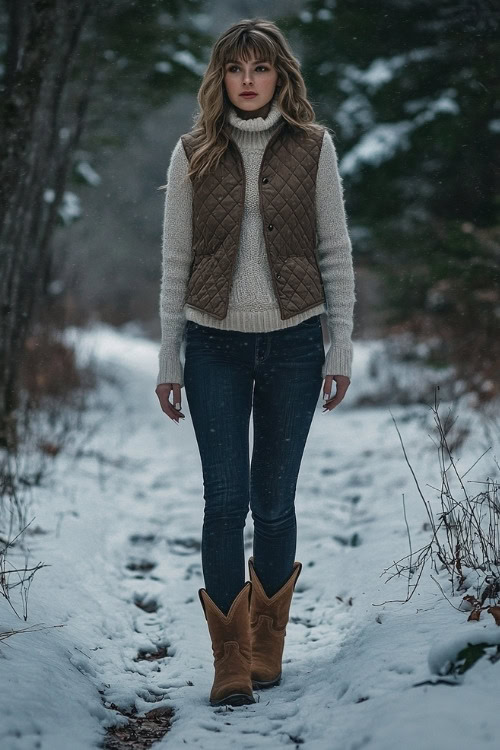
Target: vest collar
<point x="255" y="124"/>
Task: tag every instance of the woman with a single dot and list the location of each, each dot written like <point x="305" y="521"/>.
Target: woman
<point x="255" y="249"/>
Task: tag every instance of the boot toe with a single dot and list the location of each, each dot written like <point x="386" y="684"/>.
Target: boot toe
<point x="233" y="689"/>
<point x="265" y="676"/>
<point x="259" y="684"/>
<point x="233" y="699"/>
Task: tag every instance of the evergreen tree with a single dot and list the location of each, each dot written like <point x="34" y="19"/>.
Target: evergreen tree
<point x="412" y="92"/>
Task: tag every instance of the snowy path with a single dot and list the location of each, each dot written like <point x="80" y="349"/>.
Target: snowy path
<point x="125" y="571"/>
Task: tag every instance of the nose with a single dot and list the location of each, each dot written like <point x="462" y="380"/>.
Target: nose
<point x="247" y="78"/>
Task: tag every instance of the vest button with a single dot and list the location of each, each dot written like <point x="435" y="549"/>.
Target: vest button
<point x="278" y="276"/>
<point x="270" y="226"/>
<point x="265" y="180"/>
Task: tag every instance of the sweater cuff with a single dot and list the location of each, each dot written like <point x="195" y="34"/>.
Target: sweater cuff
<point x="170" y="370"/>
<point x="338" y="361"/>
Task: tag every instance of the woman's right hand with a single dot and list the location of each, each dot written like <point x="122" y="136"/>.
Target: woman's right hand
<point x="172" y="410"/>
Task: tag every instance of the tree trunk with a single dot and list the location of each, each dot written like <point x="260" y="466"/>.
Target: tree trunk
<point x="41" y="115"/>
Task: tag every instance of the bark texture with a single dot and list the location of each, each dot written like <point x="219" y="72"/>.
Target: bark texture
<point x="46" y="90"/>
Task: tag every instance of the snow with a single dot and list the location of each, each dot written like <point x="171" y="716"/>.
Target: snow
<point x="187" y="59"/>
<point x="354" y="652"/>
<point x="378" y="145"/>
<point x="86" y="171"/>
<point x="70" y="208"/>
<point x="163" y="66"/>
<point x="446" y="651"/>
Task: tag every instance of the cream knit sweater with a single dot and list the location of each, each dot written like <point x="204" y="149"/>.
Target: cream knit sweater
<point x="253" y="306"/>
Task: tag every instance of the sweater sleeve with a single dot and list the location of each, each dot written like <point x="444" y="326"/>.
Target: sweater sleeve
<point x="335" y="261"/>
<point x="176" y="262"/>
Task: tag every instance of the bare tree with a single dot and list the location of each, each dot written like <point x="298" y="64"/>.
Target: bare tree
<point x="42" y="108"/>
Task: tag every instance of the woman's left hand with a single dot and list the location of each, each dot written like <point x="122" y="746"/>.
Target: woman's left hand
<point x="343" y="383"/>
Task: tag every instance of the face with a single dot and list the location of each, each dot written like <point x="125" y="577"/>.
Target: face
<point x="256" y="76"/>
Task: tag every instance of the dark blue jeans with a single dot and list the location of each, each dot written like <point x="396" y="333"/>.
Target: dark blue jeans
<point x="226" y="375"/>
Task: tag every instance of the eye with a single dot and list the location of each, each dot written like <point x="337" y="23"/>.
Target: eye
<point x="231" y="68"/>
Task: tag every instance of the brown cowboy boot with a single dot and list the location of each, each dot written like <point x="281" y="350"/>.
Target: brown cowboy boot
<point x="230" y="636"/>
<point x="268" y="621"/>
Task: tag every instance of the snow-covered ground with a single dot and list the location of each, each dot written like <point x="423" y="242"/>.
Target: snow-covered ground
<point x="122" y="527"/>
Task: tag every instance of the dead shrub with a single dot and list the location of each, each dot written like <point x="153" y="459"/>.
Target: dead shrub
<point x="465" y="535"/>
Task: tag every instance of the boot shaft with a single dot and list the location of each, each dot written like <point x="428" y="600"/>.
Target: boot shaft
<point x="277" y="606"/>
<point x="231" y="646"/>
<point x="233" y="627"/>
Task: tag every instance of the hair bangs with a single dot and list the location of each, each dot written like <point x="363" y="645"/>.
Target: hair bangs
<point x="250" y="44"/>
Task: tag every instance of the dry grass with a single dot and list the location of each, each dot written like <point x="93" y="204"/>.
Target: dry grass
<point x="465" y="535"/>
<point x="52" y="405"/>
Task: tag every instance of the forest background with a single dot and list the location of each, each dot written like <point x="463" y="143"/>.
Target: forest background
<point x="95" y="94"/>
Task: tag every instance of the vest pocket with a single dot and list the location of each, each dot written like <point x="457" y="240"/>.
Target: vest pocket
<point x="196" y="277"/>
<point x="207" y="287"/>
<point x="300" y="280"/>
<point x="200" y="265"/>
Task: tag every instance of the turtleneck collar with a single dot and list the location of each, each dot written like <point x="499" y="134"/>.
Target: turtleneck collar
<point x="255" y="124"/>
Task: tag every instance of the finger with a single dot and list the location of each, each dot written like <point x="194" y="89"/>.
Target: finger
<point x="341" y="389"/>
<point x="163" y="391"/>
<point x="335" y="401"/>
<point x="177" y="399"/>
<point x="332" y="403"/>
<point x="342" y="384"/>
<point x="172" y="412"/>
<point x="164" y="397"/>
<point x="327" y="387"/>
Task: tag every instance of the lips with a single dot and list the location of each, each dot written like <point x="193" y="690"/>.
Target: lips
<point x="248" y="95"/>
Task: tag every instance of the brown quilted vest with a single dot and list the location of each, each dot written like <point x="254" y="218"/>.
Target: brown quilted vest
<point x="287" y="189"/>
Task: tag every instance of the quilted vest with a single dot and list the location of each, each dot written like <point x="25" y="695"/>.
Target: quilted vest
<point x="287" y="194"/>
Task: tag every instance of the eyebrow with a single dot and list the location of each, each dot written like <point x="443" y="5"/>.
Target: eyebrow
<point x="237" y="62"/>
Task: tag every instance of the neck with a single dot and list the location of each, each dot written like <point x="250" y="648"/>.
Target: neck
<point x="243" y="114"/>
<point x="257" y="123"/>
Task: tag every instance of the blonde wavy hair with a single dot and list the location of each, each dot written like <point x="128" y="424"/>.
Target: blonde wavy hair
<point x="265" y="40"/>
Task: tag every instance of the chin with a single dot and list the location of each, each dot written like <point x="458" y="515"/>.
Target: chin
<point x="250" y="103"/>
